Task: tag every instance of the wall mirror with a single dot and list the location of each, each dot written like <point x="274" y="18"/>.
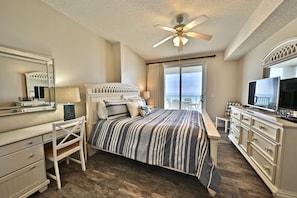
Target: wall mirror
<point x="286" y="69"/>
<point x="281" y="60"/>
<point x="27" y="82"/>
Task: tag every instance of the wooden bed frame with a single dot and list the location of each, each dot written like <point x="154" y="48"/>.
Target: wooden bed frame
<point x="116" y="91"/>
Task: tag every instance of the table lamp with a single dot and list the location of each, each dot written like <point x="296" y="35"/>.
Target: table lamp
<point x="146" y="96"/>
<point x="68" y="95"/>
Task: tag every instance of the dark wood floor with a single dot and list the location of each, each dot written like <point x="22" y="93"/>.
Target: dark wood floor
<point x="109" y="175"/>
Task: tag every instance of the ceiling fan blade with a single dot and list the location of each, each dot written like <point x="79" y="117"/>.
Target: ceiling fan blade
<point x="199" y="35"/>
<point x="165" y="28"/>
<point x="196" y="22"/>
<point x="164" y="40"/>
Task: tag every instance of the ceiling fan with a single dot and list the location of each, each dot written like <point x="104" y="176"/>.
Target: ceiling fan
<point x="181" y="31"/>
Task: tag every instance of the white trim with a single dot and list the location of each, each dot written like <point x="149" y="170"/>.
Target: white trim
<point x="283" y="51"/>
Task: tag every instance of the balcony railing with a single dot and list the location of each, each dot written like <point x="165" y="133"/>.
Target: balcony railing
<point x="187" y="102"/>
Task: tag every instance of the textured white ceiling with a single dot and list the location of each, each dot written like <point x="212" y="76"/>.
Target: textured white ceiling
<point x="131" y="22"/>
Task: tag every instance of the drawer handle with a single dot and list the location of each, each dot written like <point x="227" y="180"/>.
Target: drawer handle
<point x="262" y="127"/>
<point x="31" y="155"/>
<point x="235" y="114"/>
<point x="30" y="142"/>
<point x="254" y="139"/>
<point x="268" y="149"/>
<point x="32" y="167"/>
<point x="246" y="119"/>
<point x="267" y="168"/>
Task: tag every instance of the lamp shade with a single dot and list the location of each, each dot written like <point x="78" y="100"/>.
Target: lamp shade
<point x="67" y="94"/>
<point x="146" y="95"/>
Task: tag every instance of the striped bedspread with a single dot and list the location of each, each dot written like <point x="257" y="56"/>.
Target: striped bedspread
<point x="170" y="138"/>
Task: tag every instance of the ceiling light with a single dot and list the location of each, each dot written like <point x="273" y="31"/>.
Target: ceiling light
<point x="183" y="39"/>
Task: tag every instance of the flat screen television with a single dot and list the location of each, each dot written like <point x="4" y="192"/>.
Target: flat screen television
<point x="264" y="93"/>
<point x="288" y="94"/>
<point x="251" y="96"/>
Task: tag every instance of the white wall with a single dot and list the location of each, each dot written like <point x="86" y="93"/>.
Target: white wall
<point x="251" y="63"/>
<point x="133" y="68"/>
<point x="80" y="55"/>
<point x="222" y="84"/>
<point x="116" y="73"/>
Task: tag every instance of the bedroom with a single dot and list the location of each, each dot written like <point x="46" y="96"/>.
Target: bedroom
<point x="83" y="57"/>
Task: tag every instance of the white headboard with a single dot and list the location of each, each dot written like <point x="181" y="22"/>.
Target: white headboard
<point x="105" y="91"/>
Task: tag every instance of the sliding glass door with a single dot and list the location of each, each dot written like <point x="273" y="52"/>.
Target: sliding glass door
<point x="184" y="87"/>
<point x="172" y="88"/>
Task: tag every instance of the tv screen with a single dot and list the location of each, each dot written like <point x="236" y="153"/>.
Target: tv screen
<point x="288" y="94"/>
<point x="264" y="93"/>
<point x="251" y="96"/>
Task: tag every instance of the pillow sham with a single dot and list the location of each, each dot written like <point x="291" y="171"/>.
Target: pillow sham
<point x="101" y="110"/>
<point x="144" y="110"/>
<point x="133" y="109"/>
<point x="116" y="109"/>
<point x="141" y="101"/>
<point x="131" y="99"/>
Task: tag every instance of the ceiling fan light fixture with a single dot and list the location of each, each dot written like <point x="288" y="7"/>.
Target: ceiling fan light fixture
<point x="180" y="32"/>
<point x="176" y="40"/>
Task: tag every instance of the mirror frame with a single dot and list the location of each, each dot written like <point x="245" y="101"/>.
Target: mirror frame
<point x="38" y="106"/>
<point x="284" y="52"/>
<point x="284" y="55"/>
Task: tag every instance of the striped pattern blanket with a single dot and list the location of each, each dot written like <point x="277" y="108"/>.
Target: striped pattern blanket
<point x="167" y="138"/>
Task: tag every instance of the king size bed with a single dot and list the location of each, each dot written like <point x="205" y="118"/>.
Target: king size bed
<point x="182" y="140"/>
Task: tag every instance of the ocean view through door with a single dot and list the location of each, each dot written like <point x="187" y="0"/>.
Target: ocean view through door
<point x="183" y="87"/>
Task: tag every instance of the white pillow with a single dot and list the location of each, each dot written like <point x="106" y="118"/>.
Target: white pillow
<point x="141" y="101"/>
<point x="101" y="110"/>
<point x="133" y="109"/>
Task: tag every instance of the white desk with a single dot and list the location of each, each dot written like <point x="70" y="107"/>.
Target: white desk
<point x="22" y="160"/>
<point x="25" y="133"/>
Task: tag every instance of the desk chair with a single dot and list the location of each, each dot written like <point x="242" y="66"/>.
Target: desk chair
<point x="71" y="143"/>
<point x="226" y="117"/>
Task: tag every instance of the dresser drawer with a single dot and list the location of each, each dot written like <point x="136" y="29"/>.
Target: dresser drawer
<point x="11" y="148"/>
<point x="235" y="113"/>
<point x="263" y="164"/>
<point x="23" y="180"/>
<point x="20" y="159"/>
<point x="234" y="134"/>
<point x="267" y="129"/>
<point x="246" y="119"/>
<point x="244" y="137"/>
<point x="235" y="124"/>
<point x="269" y="148"/>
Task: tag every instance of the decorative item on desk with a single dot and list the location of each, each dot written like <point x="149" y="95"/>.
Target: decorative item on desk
<point x="146" y="96"/>
<point x="68" y="95"/>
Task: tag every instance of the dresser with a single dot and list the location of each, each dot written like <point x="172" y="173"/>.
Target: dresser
<point x="22" y="168"/>
<point x="269" y="144"/>
<point x="22" y="161"/>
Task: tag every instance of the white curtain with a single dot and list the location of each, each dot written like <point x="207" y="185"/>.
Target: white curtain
<point x="155" y="84"/>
